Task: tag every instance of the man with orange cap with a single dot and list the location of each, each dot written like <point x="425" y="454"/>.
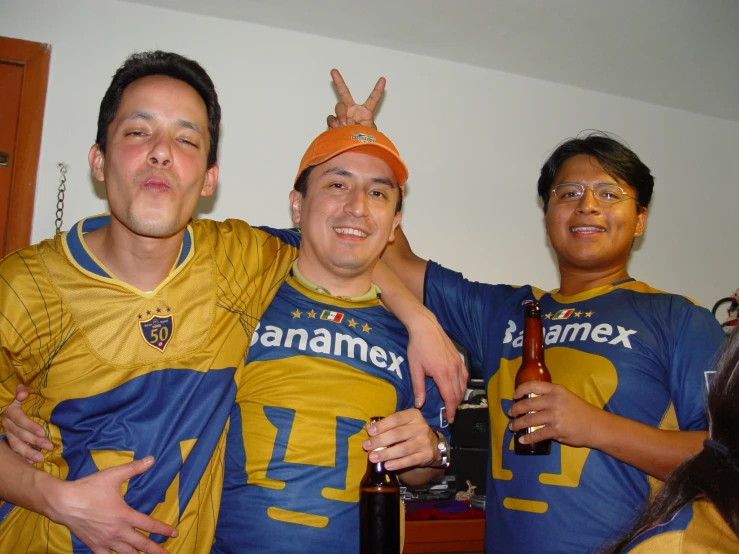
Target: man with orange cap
<point x="293" y="464"/>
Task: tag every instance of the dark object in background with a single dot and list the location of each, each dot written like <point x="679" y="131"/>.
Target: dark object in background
<point x="470" y="435"/>
<point x="730" y="320"/>
<point x="470" y="432"/>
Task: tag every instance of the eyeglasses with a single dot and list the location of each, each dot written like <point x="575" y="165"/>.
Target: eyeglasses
<point x="605" y="193"/>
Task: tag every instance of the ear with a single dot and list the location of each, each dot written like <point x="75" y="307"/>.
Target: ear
<point x="211" y="181"/>
<point x="96" y="160"/>
<point x="396" y="222"/>
<point x="547" y="216"/>
<point x="641" y="222"/>
<point x="296" y="202"/>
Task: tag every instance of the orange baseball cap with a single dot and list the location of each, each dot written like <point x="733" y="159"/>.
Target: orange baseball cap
<point x="359" y="138"/>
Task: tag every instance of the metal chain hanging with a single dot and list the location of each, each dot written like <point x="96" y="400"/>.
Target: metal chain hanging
<point x="60" y="196"/>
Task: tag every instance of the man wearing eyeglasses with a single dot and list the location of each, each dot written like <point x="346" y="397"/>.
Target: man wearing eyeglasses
<point x="629" y="363"/>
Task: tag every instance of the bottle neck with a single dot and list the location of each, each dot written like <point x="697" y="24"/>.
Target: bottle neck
<point x="533" y="340"/>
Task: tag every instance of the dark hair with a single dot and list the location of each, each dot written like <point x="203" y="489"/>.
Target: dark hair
<point x="301" y="185"/>
<point x="713" y="473"/>
<point x="146" y="64"/>
<point x="617" y="160"/>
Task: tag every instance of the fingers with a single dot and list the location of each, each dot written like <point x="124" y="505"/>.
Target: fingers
<point x="343" y="91"/>
<point x="341" y="113"/>
<point x="332" y="121"/>
<point x="151" y="525"/>
<point x="535" y="403"/>
<point x="122" y="548"/>
<point x="22" y="448"/>
<point x="406" y="455"/>
<point x="18" y="424"/>
<point x="394" y="421"/>
<point x="23" y="441"/>
<point x="531" y="419"/>
<point x="396" y="428"/>
<point x="21" y="393"/>
<point x="133" y="542"/>
<point x="533" y="387"/>
<point x="15" y="433"/>
<point x="409" y="445"/>
<point x="124" y="472"/>
<point x="449" y="389"/>
<point x="418" y="380"/>
<point x="464" y="377"/>
<point x="543" y="433"/>
<point x="376" y="95"/>
<point x="146" y="545"/>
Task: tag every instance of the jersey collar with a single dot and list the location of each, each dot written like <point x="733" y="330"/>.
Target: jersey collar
<point x="372" y="294"/>
<point x="588" y="294"/>
<point x="83" y="257"/>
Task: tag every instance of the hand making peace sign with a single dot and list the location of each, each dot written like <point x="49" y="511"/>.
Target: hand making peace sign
<point x="350" y="113"/>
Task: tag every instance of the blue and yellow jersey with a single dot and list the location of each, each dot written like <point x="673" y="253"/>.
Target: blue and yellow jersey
<point x="696" y="529"/>
<point x="319" y="367"/>
<point x="626" y="348"/>
<point x="116" y="374"/>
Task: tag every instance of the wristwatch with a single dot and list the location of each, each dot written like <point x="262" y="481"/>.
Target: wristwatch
<point x="445" y="457"/>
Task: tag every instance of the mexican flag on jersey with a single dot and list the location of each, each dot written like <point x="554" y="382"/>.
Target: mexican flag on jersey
<point x="328" y="315"/>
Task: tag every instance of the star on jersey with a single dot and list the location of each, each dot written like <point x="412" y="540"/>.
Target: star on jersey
<point x="157" y="310"/>
<point x="567" y="313"/>
<point x="328" y="315"/>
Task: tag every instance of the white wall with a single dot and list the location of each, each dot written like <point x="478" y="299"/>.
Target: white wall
<point x="474" y="140"/>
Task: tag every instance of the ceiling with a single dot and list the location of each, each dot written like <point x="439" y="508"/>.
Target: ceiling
<point x="678" y="53"/>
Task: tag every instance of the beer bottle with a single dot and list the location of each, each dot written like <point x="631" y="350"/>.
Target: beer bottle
<point x="379" y="509"/>
<point x="532" y="369"/>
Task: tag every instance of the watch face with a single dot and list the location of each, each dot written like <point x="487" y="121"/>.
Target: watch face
<point x="443" y="446"/>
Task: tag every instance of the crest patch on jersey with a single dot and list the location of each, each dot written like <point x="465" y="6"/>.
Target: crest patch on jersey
<point x="328" y="315"/>
<point x="564" y="314"/>
<point x="157" y="331"/>
<point x="363" y="137"/>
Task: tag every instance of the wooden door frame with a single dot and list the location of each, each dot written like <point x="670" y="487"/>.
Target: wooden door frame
<point x="34" y="58"/>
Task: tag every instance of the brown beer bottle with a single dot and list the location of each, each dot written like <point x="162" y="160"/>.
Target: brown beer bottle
<point x="532" y="369"/>
<point x="379" y="509"/>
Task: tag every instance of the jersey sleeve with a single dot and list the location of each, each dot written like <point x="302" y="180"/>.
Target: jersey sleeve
<point x="465" y="309"/>
<point x="288" y="236"/>
<point x="24" y="317"/>
<point x="8" y="382"/>
<point x="696" y="346"/>
<point x="251" y="265"/>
